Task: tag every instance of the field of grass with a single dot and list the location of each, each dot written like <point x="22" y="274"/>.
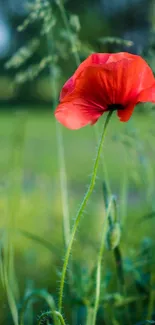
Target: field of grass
<point x="31" y="210"/>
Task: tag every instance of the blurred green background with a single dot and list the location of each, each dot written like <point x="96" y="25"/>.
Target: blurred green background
<point x="131" y="20"/>
<point x="30" y="196"/>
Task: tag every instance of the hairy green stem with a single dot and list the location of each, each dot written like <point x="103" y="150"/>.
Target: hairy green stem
<point x="81" y="209"/>
<point x="99" y="263"/>
<point x="48" y="313"/>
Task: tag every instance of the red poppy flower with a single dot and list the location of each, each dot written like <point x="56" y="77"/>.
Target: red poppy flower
<point x="105" y="82"/>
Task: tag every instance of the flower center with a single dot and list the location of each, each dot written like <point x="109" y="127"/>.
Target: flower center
<point x="114" y="107"/>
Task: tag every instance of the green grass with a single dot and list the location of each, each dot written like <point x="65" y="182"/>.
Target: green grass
<point x="36" y="207"/>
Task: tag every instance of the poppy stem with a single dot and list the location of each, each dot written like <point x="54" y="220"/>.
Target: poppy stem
<point x="81" y="209"/>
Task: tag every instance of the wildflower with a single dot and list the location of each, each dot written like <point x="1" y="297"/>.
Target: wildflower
<point x="105" y="82"/>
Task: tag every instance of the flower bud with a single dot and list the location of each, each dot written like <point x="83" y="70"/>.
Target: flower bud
<point x="113" y="236"/>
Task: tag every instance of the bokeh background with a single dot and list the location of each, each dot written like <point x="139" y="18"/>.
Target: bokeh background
<point x="30" y="154"/>
<point x="131" y="20"/>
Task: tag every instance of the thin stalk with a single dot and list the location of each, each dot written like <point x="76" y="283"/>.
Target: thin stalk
<point x="63" y="184"/>
<point x="14" y="195"/>
<point x="118" y="255"/>
<point x="61" y="159"/>
<point x="119" y="270"/>
<point x="99" y="263"/>
<point x="119" y="264"/>
<point x="10" y="296"/>
<point x="16" y="160"/>
<point x="104" y="168"/>
<point x="89" y="315"/>
<point x="81" y="209"/>
<point x="116" y="251"/>
<point x="124" y="191"/>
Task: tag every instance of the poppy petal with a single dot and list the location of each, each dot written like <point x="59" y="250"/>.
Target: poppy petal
<point x="104" y="84"/>
<point x="92" y="86"/>
<point x="67" y="88"/>
<point x="125" y="114"/>
<point x="147" y="95"/>
<point x="120" y="56"/>
<point x="77" y="113"/>
<point x="95" y="58"/>
<point x="144" y="75"/>
<point x="130" y="77"/>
